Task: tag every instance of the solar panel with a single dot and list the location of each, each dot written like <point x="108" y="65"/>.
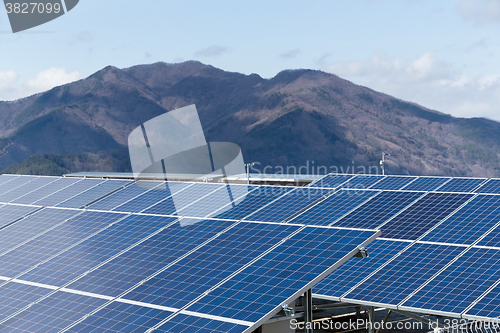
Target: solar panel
<point x="124" y="195"/>
<point x="400" y="277"/>
<point x="334" y="207"/>
<point x="469" y="223"/>
<point x="288" y="205"/>
<point x="15" y="183"/>
<point x="281" y="275"/>
<point x="378" y="210"/>
<point x="492" y="186"/>
<point x="186" y="323"/>
<point x="331" y="181"/>
<point x="93" y="194"/>
<point x="487" y="307"/>
<point x="46" y="190"/>
<point x="461" y="185"/>
<point x="492" y="239"/>
<point x="354" y="270"/>
<point x="51" y="243"/>
<point x="68" y="192"/>
<point x="423" y="215"/>
<point x="6" y="178"/>
<point x="254" y="201"/>
<point x="425" y="184"/>
<point x="25" y="188"/>
<point x="96" y="250"/>
<point x="362" y="182"/>
<point x="460" y="284"/>
<point x="16" y="296"/>
<point x="393" y="182"/>
<point x="11" y="213"/>
<point x="123" y="272"/>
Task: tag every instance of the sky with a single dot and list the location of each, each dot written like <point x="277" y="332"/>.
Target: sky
<point x="444" y="55"/>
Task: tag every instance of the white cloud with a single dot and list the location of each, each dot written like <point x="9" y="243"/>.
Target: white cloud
<point x="45" y="80"/>
<point x="211" y="51"/>
<point x="427" y="81"/>
<point x="480" y="11"/>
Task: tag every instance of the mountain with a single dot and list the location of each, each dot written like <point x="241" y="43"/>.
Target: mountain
<point x="297" y="118"/>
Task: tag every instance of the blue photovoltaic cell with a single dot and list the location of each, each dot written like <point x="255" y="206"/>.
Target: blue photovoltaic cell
<point x="68" y="192"/>
<point x="403" y="275"/>
<point x="492" y="239"/>
<point x="152" y="197"/>
<point x="32" y="226"/>
<point x="124" y="195"/>
<point x="52" y="242"/>
<point x="213" y="203"/>
<point x="177" y="201"/>
<point x="285" y="271"/>
<point x="52" y="314"/>
<point x="191" y="324"/>
<point x="362" y="182"/>
<point x="15" y="183"/>
<point x="26" y="188"/>
<point x="423" y="215"/>
<point x="93" y="194"/>
<point x="254" y="201"/>
<point x="10" y="213"/>
<point x="393" y="182"/>
<point x="288" y="205"/>
<point x="488" y="306"/>
<point x="355" y="269"/>
<point x="461" y="185"/>
<point x="121" y="317"/>
<point x="492" y="187"/>
<point x="94" y="251"/>
<point x="16" y="296"/>
<point x="333" y="207"/>
<point x="331" y="181"/>
<point x="47" y="190"/>
<point x="125" y="271"/>
<point x="209" y="265"/>
<point x="469" y="223"/>
<point x="378" y="210"/>
<point x="426" y="184"/>
<point x="6" y="178"/>
<point x="460" y="284"/>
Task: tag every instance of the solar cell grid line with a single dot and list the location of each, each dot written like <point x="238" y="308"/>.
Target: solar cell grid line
<point x="393" y="182"/>
<point x="288" y="205"/>
<point x="125" y="195"/>
<point x="464" y="185"/>
<point x="331" y="181"/>
<point x="120" y="317"/>
<point x="469" y="223"/>
<point x="362" y="182"/>
<point x="68" y="192"/>
<point x="62" y="238"/>
<point x="379" y="209"/>
<point x="334" y="207"/>
<point x="51" y="314"/>
<point x="229" y="196"/>
<point x="255" y="201"/>
<point x="151" y="197"/>
<point x="12" y="213"/>
<point x="181" y="199"/>
<point x="160" y="252"/>
<point x="282" y="274"/>
<point x="97" y="250"/>
<point x="15" y="183"/>
<point x="424" y="214"/>
<point x="33" y="226"/>
<point x="459" y="284"/>
<point x="354" y="270"/>
<point x="487" y="306"/>
<point x="26" y="188"/>
<point x="492" y="237"/>
<point x="206" y="267"/>
<point x="15" y="296"/>
<point x="187" y="323"/>
<point x="93" y="194"/>
<point x="6" y="178"/>
<point x="491" y="187"/>
<point x="398" y="278"/>
<point x="426" y="183"/>
<point x="46" y="190"/>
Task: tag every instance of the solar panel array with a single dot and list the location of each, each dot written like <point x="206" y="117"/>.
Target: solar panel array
<point x="227" y="244"/>
<point x="113" y="255"/>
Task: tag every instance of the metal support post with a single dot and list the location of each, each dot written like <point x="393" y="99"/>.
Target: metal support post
<point x="308" y="311"/>
<point x="384" y="321"/>
<point x="371" y="318"/>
